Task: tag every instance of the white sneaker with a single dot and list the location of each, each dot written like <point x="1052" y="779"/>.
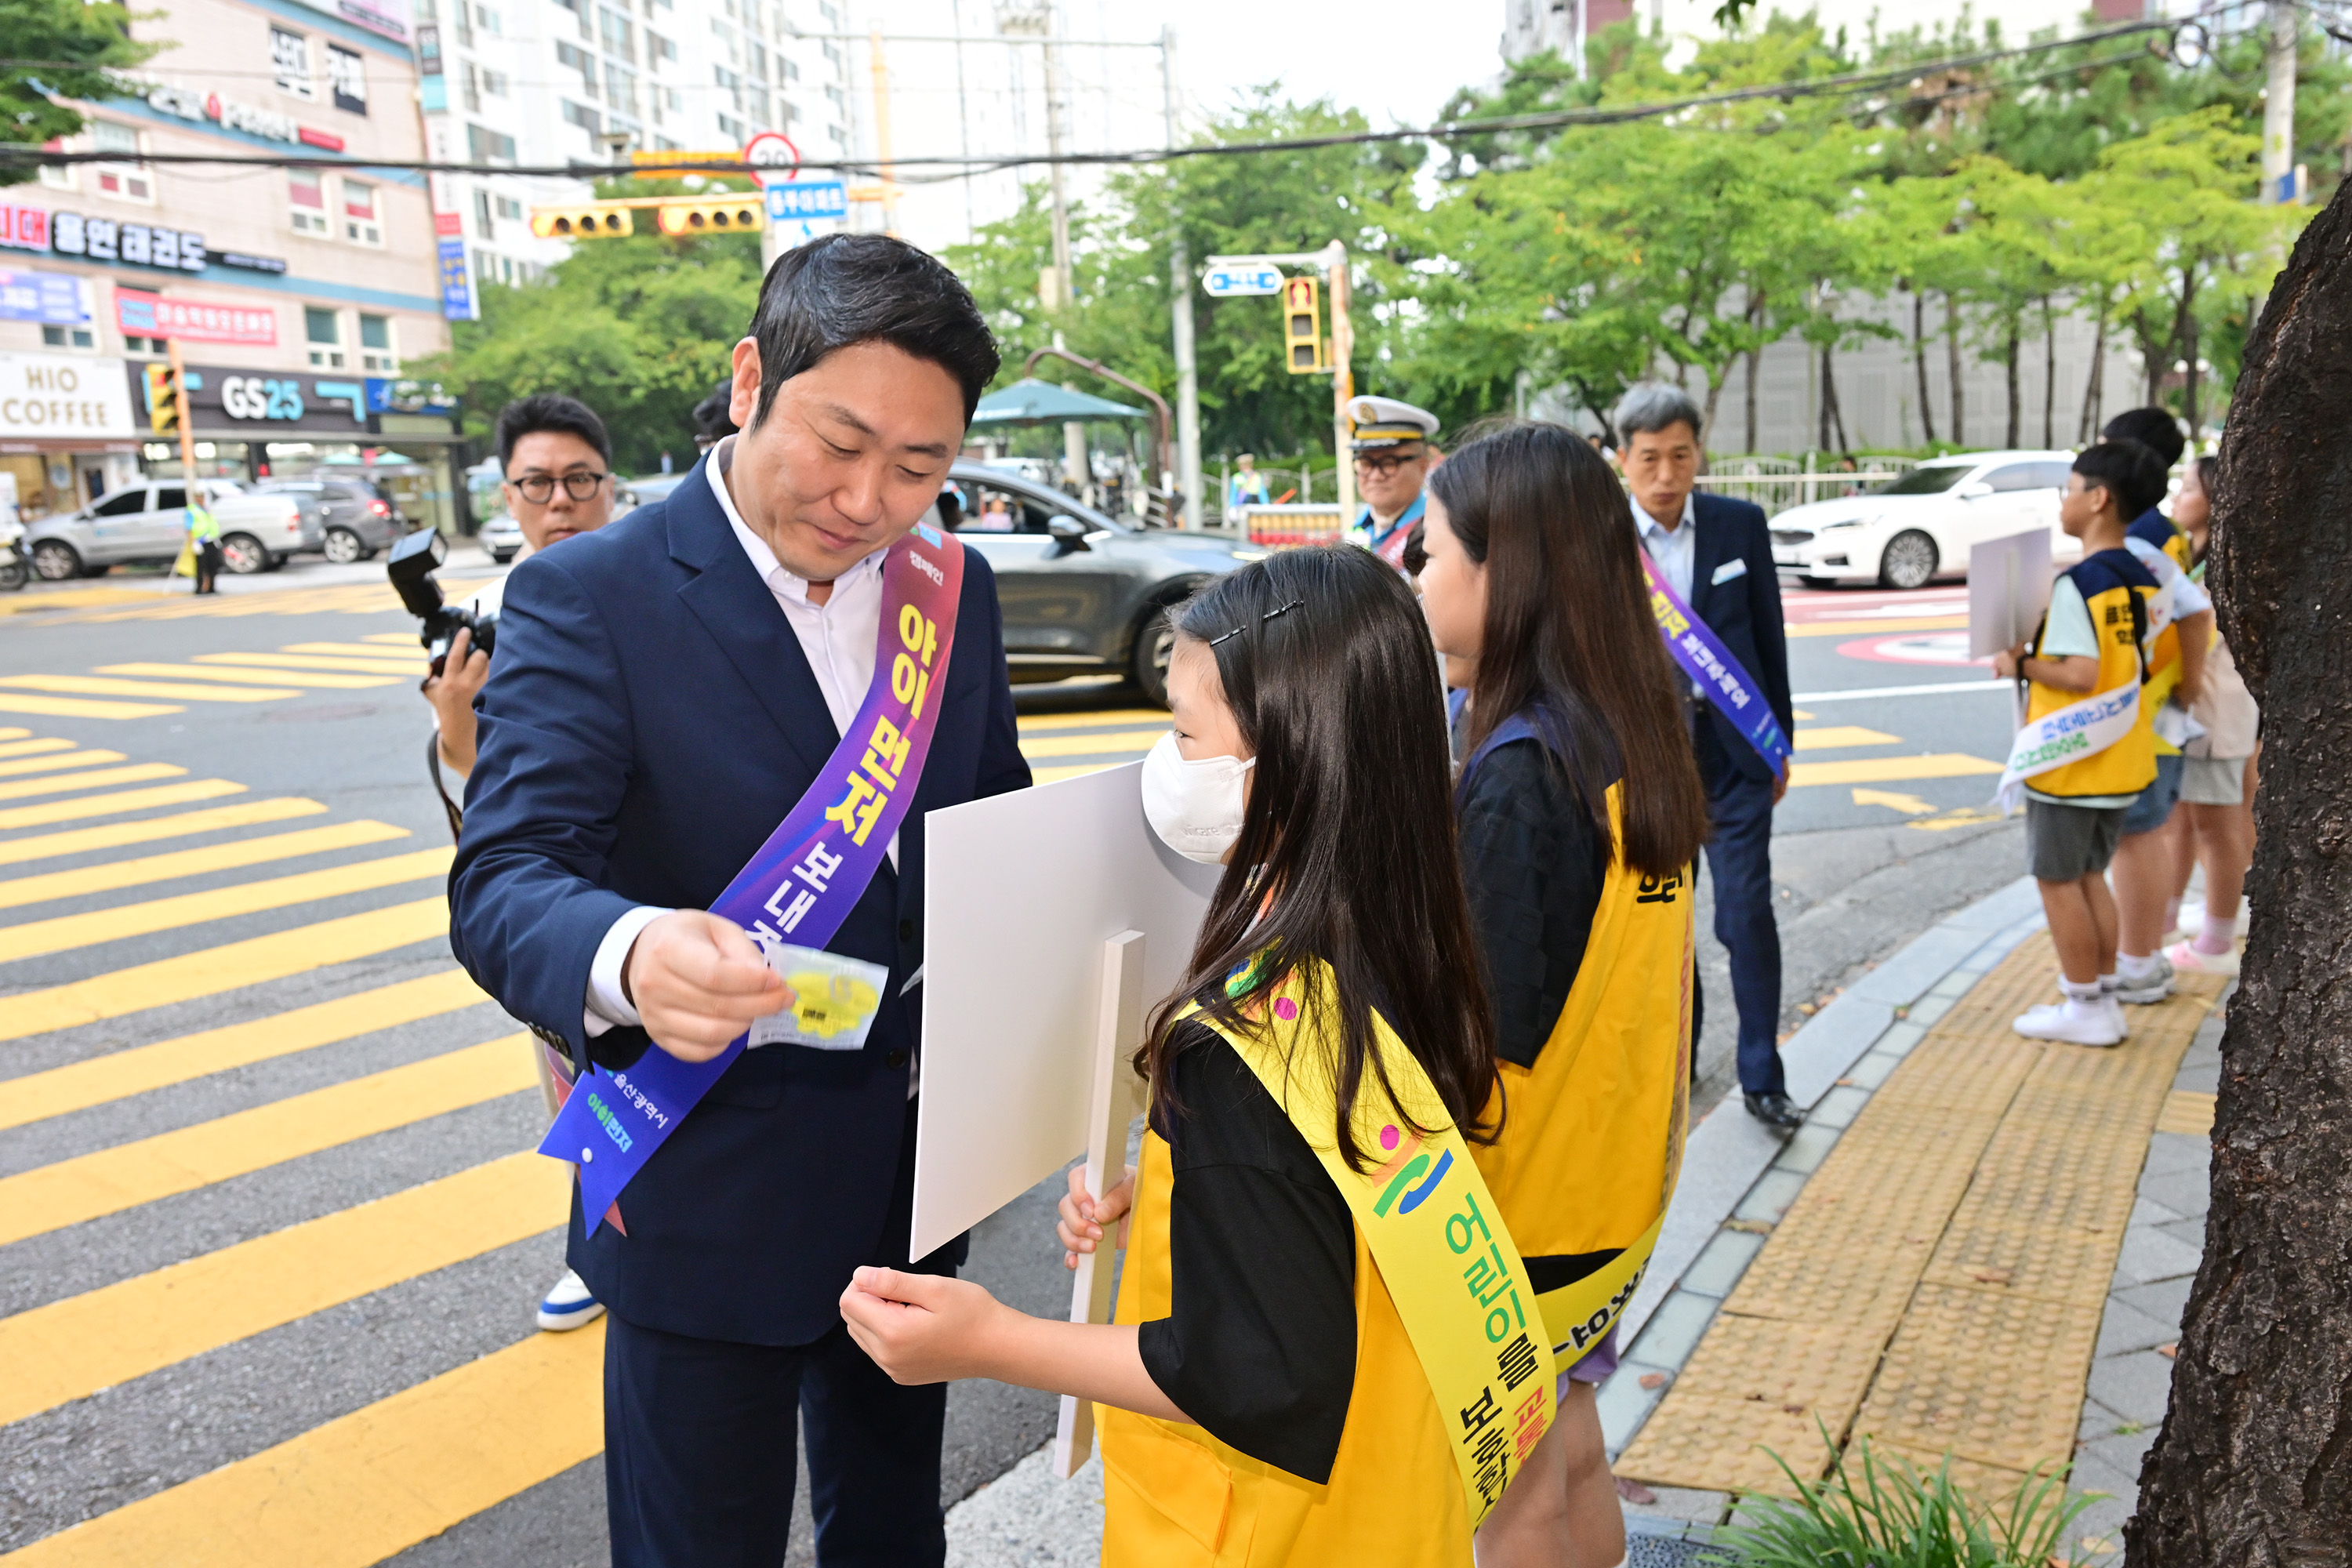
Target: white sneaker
<point x="2146" y="990"/>
<point x="2184" y="957"/>
<point x="569" y="1304"/>
<point x="2088" y="1025"/>
<point x="2114" y="1011"/>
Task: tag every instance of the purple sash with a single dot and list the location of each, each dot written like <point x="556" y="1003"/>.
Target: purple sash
<point x="805" y="878"/>
<point x="1709" y="663"/>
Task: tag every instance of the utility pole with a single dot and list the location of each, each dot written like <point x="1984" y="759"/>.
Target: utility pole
<point x="1179" y="291"/>
<point x="1343" y="378"/>
<point x="963" y="120"/>
<point x="1064" y="289"/>
<point x="889" y="171"/>
<point x="2279" y="182"/>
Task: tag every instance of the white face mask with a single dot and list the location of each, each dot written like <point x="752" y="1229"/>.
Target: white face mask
<point x="1196" y="807"/>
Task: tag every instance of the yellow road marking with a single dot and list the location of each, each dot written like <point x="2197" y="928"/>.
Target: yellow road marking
<point x="1910" y="805"/>
<point x="81" y="706"/>
<point x="81" y="840"/>
<point x="1801" y="715"/>
<point x="19" y="891"/>
<point x="110" y="686"/>
<point x="78" y="1086"/>
<point x="111" y="804"/>
<point x="351" y="649"/>
<point x="12" y="734"/>
<point x="60" y="759"/>
<point x="210" y="971"/>
<point x="398" y="639"/>
<point x="71" y="1348"/>
<point x="136" y="773"/>
<point x="33" y="938"/>
<point x="1865" y="628"/>
<point x="69" y="598"/>
<point x="247" y="677"/>
<point x="311" y="661"/>
<point x="1888" y="770"/>
<point x="1084" y="721"/>
<point x="1055" y="775"/>
<point x="28" y="748"/>
<point x="1828" y="737"/>
<point x="1091" y="745"/>
<point x="369" y="1485"/>
<point x="50" y="1197"/>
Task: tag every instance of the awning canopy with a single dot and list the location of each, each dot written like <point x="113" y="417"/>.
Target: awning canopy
<point x="1034" y="401"/>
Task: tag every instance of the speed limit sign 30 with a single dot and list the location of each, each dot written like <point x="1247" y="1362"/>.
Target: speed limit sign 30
<point x="771" y="157"/>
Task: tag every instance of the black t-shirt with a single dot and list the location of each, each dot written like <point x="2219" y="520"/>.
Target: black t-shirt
<point x="1533" y="862"/>
<point x="1260" y="1347"/>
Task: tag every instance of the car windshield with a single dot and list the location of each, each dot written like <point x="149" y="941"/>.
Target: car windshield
<point x="1932" y="480"/>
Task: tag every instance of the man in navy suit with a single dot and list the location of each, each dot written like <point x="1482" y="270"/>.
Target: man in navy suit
<point x="664" y="692"/>
<point x="1717" y="555"/>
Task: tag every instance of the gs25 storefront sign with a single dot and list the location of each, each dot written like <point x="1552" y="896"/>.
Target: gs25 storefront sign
<point x="271" y="404"/>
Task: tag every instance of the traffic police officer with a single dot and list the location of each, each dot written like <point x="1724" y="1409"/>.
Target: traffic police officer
<point x="1394" y="447"/>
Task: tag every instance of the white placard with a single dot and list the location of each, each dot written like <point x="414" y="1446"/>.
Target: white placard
<point x="2009" y="588"/>
<point x="1021" y="891"/>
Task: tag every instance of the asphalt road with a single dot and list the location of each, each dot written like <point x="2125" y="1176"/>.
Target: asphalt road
<point x="228" y="1020"/>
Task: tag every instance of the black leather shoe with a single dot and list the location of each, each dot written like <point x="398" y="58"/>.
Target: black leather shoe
<point x="1774" y="1111"/>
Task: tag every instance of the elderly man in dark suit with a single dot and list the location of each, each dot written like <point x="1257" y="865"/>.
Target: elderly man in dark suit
<point x="664" y="692"/>
<point x="1717" y="555"/>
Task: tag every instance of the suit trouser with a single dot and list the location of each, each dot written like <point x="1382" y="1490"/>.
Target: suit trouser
<point x="1740" y="859"/>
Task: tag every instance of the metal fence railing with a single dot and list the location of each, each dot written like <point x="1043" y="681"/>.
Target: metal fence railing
<point x="1776" y="484"/>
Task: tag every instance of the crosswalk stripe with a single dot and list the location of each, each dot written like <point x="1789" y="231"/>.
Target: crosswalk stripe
<point x="1122" y="741"/>
<point x="1829" y="737"/>
<point x="118" y="1075"/>
<point x="367" y="1486"/>
<point x="7" y="734"/>
<point x="1093" y="720"/>
<point x="352" y="649"/>
<point x="82" y="707"/>
<point x="57" y="760"/>
<point x="177" y="691"/>
<point x="41" y="743"/>
<point x="1055" y="775"/>
<point x="1887" y="770"/>
<point x="61" y="934"/>
<point x="320" y="679"/>
<point x="116" y="834"/>
<point x="210" y="971"/>
<point x="114" y="805"/>
<point x="72" y="1347"/>
<point x="18" y="892"/>
<point x="401" y="639"/>
<point x="107" y="1181"/>
<point x="310" y="661"/>
<point x="136" y="773"/>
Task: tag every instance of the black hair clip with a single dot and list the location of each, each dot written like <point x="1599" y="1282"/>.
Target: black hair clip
<point x="1279" y="610"/>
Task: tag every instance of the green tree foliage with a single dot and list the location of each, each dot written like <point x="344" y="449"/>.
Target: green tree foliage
<point x="91" y="43"/>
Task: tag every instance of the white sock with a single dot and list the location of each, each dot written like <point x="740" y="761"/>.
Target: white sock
<point x="2135" y="965"/>
<point x="2109" y="982"/>
<point x="2082" y="992"/>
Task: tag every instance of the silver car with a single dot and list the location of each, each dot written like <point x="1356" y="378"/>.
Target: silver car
<point x="148" y="522"/>
<point x="346" y="518"/>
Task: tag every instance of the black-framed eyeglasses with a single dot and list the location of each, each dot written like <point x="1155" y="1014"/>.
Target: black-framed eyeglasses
<point x="1385" y="464"/>
<point x="540" y="488"/>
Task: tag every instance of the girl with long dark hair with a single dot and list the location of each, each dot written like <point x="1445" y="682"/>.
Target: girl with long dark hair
<point x="1327" y="1348"/>
<point x="1580" y="811"/>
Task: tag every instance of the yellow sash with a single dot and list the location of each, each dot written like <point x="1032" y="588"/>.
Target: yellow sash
<point x="1434" y="1232"/>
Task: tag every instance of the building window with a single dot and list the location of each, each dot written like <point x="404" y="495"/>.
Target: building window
<point x="658" y="48"/>
<point x="145" y="345"/>
<point x="620" y="36"/>
<point x="792" y="69"/>
<point x="790" y="115"/>
<point x="494" y="83"/>
<point x="621" y="89"/>
<point x="68" y="337"/>
<point x="305" y="196"/>
<point x="581" y="60"/>
<point x="490" y="146"/>
<point x="347" y="79"/>
<point x="732" y="128"/>
<point x="325" y="331"/>
<point x="375" y="345"/>
<point x="290" y="54"/>
<point x="508" y="208"/>
<point x="831" y="17"/>
<point x="122" y="182"/>
<point x="840" y="138"/>
<point x="482" y="223"/>
<point x="581" y="115"/>
<point x="361" y="224"/>
<point x="488" y="21"/>
<point x="470" y="84"/>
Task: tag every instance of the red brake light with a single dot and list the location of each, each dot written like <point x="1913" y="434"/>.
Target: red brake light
<point x="378" y="507"/>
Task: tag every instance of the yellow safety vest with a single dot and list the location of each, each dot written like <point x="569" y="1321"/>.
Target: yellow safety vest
<point x="1592" y="1134"/>
<point x="2118" y="590"/>
<point x="1452" y="1388"/>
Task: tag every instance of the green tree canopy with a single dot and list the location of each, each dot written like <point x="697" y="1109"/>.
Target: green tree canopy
<point x="78" y="49"/>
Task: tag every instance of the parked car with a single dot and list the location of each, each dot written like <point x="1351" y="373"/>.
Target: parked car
<point x="502" y="537"/>
<point x="345" y="518"/>
<point x="634" y="493"/>
<point x="1083" y="593"/>
<point x="1913" y="529"/>
<point x="148" y="521"/>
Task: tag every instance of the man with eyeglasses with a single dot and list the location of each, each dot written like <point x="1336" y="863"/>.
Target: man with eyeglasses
<point x="1394" y="450"/>
<point x="557" y="463"/>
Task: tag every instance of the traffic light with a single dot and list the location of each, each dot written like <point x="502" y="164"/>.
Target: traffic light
<point x="716" y="214"/>
<point x="585" y="220"/>
<point x="163" y="399"/>
<point x="1302" y="333"/>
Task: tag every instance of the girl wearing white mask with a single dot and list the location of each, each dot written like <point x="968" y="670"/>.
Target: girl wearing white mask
<point x="1276" y="1388"/>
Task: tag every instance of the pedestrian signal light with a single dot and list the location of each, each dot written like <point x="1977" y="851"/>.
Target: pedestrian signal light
<point x="723" y="215"/>
<point x="1302" y="331"/>
<point x="163" y="399"/>
<point x="591" y="220"/>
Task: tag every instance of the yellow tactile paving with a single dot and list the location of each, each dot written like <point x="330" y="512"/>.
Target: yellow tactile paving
<point x="2187" y="1111"/>
<point x="1937" y="1284"/>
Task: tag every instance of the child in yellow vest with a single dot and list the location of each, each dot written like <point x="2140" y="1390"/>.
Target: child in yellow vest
<point x="1327" y="1348"/>
<point x="2088" y="749"/>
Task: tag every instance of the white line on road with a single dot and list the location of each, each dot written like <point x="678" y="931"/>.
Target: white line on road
<point x="1936" y="690"/>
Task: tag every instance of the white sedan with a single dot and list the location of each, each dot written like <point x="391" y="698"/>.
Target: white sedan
<point x="1908" y="533"/>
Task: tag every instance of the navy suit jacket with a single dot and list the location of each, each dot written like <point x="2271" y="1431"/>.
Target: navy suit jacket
<point x="649" y="719"/>
<point x="1744" y="611"/>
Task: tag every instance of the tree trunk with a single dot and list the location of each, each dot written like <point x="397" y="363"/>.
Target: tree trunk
<point x="2010" y="349"/>
<point x="2048" y="374"/>
<point x="2095" y="393"/>
<point x="2189" y="353"/>
<point x="2253" y="1465"/>
<point x="1952" y="368"/>
<point x="1754" y="355"/>
<point x="1832" y="417"/>
<point x="1919" y="360"/>
<point x="1714" y="381"/>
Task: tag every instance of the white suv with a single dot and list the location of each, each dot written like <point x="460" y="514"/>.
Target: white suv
<point x="1908" y="533"/>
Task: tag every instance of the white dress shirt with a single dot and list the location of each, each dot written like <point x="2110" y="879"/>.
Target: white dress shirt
<point x="1676" y="549"/>
<point x="837" y="637"/>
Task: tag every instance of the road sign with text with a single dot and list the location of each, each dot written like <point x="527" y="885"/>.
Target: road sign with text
<point x="807" y="199"/>
<point x="1247" y="278"/>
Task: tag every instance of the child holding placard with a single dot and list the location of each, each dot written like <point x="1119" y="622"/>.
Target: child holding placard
<point x="1327" y="1347"/>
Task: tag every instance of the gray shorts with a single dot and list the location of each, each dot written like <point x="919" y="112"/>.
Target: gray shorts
<point x="2068" y="843"/>
<point x="2213" y="781"/>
